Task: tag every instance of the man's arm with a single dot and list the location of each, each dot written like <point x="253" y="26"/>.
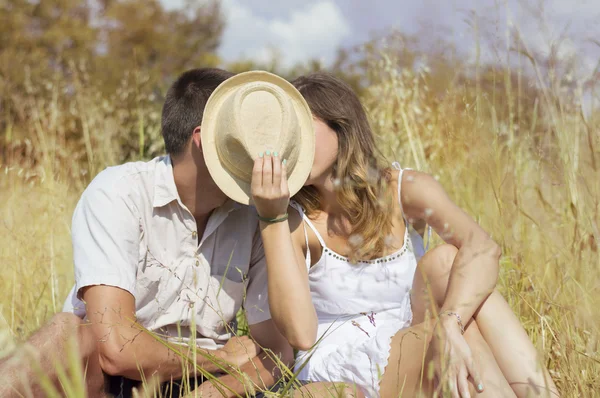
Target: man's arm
<point x="127" y="349"/>
<point x="106" y="245"/>
<point x="263" y="370"/>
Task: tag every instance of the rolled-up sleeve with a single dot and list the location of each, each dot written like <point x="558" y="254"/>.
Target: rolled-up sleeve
<point x="106" y="236"/>
<point x="256" y="304"/>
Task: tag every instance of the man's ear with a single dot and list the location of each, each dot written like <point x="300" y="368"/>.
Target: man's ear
<point x="197" y="138"/>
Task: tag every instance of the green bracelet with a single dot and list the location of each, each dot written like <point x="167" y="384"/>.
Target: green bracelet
<point x="273" y="220"/>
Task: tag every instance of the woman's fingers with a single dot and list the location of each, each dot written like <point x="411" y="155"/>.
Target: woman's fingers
<point x="463" y="384"/>
<point x="269" y="186"/>
<point x="267" y="171"/>
<point x="474" y="375"/>
<point x="284" y="182"/>
<point x="452" y="385"/>
<point x="276" y="171"/>
<point x="257" y="174"/>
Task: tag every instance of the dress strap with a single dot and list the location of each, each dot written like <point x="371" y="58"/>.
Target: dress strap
<point x="397" y="166"/>
<point x="314" y="229"/>
<point x="297" y="206"/>
<point x="310" y="224"/>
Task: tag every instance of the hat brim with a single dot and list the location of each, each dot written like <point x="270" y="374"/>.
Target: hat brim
<point x="232" y="186"/>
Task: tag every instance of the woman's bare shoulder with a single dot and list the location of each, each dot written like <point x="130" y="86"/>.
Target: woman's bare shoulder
<point x="415" y="186"/>
<point x="408" y="176"/>
<point x="410" y="179"/>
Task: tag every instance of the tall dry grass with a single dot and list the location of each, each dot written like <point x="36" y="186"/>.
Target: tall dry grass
<point x="533" y="183"/>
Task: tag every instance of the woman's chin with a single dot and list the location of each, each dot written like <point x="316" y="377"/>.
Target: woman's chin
<point x="315" y="179"/>
<point x="310" y="181"/>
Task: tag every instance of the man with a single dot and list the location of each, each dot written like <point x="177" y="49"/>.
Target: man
<point x="160" y="253"/>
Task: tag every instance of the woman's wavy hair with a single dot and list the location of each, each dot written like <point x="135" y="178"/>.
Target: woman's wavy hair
<point x="361" y="180"/>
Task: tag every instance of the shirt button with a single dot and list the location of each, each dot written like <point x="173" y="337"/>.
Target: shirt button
<point x="197" y="263"/>
<point x="194" y="234"/>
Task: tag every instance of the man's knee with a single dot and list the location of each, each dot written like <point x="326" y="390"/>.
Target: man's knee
<point x="64" y="326"/>
<point x="67" y="319"/>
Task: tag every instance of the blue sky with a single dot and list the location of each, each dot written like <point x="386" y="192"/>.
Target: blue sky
<point x="298" y="30"/>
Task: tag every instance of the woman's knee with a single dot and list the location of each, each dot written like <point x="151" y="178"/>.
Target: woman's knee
<point x="434" y="269"/>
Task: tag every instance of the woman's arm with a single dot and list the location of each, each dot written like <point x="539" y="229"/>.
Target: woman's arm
<point x="475" y="269"/>
<point x="289" y="293"/>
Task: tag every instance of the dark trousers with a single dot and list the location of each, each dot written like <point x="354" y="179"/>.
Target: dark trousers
<point x="121" y="387"/>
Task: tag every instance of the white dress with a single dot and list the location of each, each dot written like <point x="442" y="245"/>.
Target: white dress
<point x="360" y="307"/>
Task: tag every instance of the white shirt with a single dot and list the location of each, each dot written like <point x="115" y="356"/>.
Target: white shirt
<point x="131" y="230"/>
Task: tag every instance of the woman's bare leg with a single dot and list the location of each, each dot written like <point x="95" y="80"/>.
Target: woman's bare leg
<point x="406" y="372"/>
<point x="512" y="349"/>
<point x="409" y="371"/>
<point x="519" y="360"/>
<point x="328" y="390"/>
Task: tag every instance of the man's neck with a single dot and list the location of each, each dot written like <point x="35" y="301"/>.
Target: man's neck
<point x="196" y="189"/>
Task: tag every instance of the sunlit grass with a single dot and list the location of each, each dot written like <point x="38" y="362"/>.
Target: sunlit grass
<point x="535" y="186"/>
<point x="533" y="183"/>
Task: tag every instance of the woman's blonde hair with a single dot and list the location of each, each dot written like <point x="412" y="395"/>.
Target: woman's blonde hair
<point x="361" y="181"/>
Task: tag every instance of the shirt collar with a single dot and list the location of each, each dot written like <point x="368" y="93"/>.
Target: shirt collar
<point x="165" y="190"/>
<point x="230" y="206"/>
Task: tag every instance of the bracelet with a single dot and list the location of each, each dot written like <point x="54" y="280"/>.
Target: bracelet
<point x="458" y="320"/>
<point x="273" y="220"/>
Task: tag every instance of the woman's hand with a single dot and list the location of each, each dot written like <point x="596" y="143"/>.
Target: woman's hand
<point x="453" y="360"/>
<point x="269" y="186"/>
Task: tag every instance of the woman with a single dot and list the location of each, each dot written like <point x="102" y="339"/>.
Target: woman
<point x="344" y="272"/>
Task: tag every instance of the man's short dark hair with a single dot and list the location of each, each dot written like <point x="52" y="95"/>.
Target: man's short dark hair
<point x="184" y="105"/>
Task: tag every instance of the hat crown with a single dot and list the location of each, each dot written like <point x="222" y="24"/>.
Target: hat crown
<point x="250" y="113"/>
<point x="257" y="117"/>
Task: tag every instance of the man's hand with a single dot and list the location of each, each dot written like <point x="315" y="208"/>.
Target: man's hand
<point x="239" y="350"/>
<point x="262" y="370"/>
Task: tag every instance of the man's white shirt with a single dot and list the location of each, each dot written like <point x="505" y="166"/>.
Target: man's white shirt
<point x="131" y="231"/>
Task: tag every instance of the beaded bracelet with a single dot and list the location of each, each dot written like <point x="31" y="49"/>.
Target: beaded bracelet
<point x="273" y="220"/>
<point x="458" y="320"/>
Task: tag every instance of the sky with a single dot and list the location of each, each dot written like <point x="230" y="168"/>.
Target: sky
<point x="300" y="30"/>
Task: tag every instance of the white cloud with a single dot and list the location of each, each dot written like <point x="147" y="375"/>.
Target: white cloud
<point x="560" y="28"/>
<point x="173" y="4"/>
<point x="577" y="11"/>
<point x="313" y="31"/>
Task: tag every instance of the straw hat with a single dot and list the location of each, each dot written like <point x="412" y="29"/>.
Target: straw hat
<point x="250" y="113"/>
